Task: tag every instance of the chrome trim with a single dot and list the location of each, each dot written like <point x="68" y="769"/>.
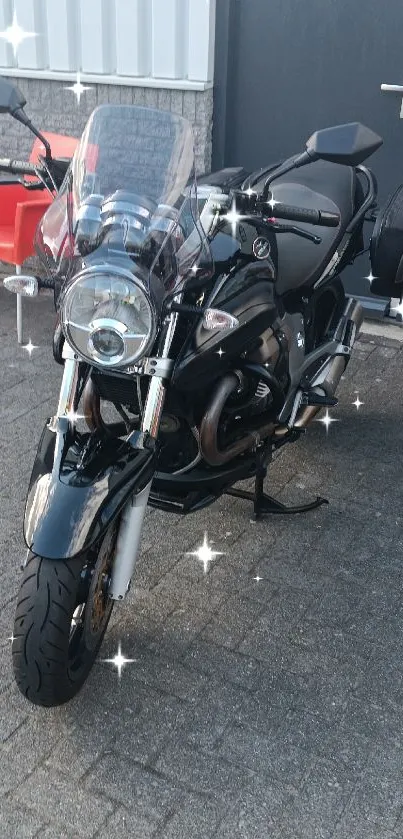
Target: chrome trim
<point x="156" y="393"/>
<point x="151" y="367"/>
<point x="68" y="386"/>
<point x="164" y="224"/>
<point x="125" y="208"/>
<point x="131" y="222"/>
<point x="158" y="367"/>
<point x="153" y="407"/>
<point x="109" y="323"/>
<point x="296" y="407"/>
<point x="88" y="212"/>
<point x="107" y="270"/>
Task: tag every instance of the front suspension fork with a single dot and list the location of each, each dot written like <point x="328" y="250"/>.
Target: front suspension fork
<point x="132" y="519"/>
<point x="133" y="513"/>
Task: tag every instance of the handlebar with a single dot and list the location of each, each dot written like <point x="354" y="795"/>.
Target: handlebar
<point x="18" y="167"/>
<point x="318" y="217"/>
<point x="251" y="204"/>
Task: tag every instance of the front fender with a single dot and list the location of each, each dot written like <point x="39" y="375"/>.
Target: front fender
<point x="79" y="484"/>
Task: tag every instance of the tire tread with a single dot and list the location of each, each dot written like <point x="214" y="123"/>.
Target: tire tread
<point x="45" y="606"/>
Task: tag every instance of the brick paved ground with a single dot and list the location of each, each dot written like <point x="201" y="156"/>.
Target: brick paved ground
<point x="254" y="709"/>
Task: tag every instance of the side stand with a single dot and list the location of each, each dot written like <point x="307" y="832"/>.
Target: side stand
<point x="265" y="505"/>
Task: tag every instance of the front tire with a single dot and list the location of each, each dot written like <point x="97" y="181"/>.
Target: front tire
<point x="61" y="617"/>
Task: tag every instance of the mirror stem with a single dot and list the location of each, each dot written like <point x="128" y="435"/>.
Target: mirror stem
<point x="302" y="159"/>
<point x="21" y="116"/>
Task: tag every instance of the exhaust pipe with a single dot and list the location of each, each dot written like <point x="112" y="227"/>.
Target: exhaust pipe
<point x="327" y="382"/>
<point x="208" y="442"/>
<point x="329" y="379"/>
<point x="92" y="406"/>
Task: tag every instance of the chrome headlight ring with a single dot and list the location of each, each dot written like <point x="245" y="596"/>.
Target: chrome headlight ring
<point x="108" y="317"/>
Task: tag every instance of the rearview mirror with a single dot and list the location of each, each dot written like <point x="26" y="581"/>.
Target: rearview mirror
<point x="348" y="144"/>
<point x="11" y="98"/>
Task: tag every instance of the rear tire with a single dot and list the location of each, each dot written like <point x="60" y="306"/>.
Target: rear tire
<point x="61" y="617"/>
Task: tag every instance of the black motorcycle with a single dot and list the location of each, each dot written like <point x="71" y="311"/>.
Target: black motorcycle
<point x="213" y="319"/>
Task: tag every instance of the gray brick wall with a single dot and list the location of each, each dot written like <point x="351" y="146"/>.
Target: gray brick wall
<point x="53" y="108"/>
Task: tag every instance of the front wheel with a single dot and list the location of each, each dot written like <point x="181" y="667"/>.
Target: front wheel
<point x="61" y="617"/>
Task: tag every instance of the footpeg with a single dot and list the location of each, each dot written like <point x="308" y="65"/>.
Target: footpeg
<point x="312" y="398"/>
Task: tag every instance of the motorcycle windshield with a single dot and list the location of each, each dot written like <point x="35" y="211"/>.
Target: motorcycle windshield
<point x="129" y="198"/>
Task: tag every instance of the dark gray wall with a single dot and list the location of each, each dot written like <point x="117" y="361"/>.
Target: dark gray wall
<point x="287" y="67"/>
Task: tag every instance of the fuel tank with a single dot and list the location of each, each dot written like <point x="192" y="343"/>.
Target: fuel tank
<point x="249" y="295"/>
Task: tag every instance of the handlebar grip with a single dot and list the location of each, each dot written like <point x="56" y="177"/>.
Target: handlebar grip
<point x="318" y="217"/>
<point x="17" y="167"/>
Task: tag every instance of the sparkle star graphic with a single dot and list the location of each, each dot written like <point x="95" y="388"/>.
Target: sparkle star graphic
<point x="29" y="347"/>
<point x="258" y="579"/>
<point x="357" y="402"/>
<point x="220" y="352"/>
<point x="78" y="88"/>
<point x="119" y="660"/>
<point x="370" y="277"/>
<point x="74" y="417"/>
<point x="204" y="554"/>
<point x="327" y="421"/>
<point x="15" y="34"/>
<point x="272" y="203"/>
<point x="11" y="638"/>
<point x="234" y="218"/>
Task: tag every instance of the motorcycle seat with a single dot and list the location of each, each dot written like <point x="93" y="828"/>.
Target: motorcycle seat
<point x="320" y="186"/>
<point x="331" y="180"/>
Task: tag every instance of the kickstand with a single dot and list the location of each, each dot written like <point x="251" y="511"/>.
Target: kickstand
<point x="264" y="505"/>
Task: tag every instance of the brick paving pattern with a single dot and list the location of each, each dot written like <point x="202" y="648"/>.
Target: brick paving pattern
<point x="255" y="709"/>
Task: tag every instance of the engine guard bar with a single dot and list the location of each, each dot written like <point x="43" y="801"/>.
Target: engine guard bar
<point x="369" y="200"/>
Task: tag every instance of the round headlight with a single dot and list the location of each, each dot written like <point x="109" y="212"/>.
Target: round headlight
<point x="108" y="317"/>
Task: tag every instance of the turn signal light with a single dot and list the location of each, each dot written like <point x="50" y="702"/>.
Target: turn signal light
<point x="22" y="284"/>
<point x="215" y="319"/>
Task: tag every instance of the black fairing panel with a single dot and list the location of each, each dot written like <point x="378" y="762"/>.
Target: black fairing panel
<point x="249" y="296"/>
<point x="78" y="486"/>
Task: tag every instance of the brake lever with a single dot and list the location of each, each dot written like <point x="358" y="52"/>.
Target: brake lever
<point x="279" y="228"/>
<point x="291" y="228"/>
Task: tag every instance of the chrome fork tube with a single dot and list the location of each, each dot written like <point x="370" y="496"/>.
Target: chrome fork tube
<point x="68" y="386"/>
<point x="156" y="392"/>
<point x="128" y="543"/>
<point x="153" y="407"/>
<point x="131" y="524"/>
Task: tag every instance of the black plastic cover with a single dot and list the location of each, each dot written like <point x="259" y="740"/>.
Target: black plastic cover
<point x="248" y="295"/>
<point x="78" y="486"/>
<point x="386" y="249"/>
